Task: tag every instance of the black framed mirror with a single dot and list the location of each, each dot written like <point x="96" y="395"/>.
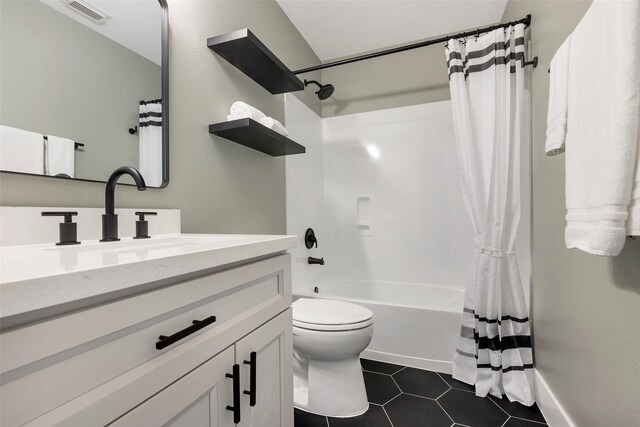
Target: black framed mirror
<point x="84" y="88"/>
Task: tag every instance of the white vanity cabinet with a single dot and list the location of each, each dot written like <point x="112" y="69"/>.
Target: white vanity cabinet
<point x="100" y="364"/>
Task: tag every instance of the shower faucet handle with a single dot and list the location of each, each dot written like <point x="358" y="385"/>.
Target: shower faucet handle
<point x="310" y="238"/>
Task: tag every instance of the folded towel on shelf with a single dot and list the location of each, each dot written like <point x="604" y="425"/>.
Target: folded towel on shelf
<point x="60" y="156"/>
<point x="241" y="110"/>
<point x="275" y="125"/>
<point x="603" y="119"/>
<point x="558" y="100"/>
<point x="21" y="150"/>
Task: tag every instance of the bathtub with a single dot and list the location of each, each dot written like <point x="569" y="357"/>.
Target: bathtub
<point x="414" y="324"/>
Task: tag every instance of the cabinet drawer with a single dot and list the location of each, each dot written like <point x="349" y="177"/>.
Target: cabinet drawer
<point x="47" y="364"/>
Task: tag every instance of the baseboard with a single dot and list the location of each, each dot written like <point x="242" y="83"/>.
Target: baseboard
<point x="415" y="362"/>
<point x="549" y="405"/>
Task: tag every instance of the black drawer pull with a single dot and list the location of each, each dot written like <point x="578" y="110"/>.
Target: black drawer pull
<point x="166" y="341"/>
<point x="252" y="378"/>
<point x="236" y="393"/>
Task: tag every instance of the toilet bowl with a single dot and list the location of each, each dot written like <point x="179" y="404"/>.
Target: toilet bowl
<point x="328" y="337"/>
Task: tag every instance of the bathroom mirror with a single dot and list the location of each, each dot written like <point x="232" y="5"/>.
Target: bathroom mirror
<point x="84" y="88"/>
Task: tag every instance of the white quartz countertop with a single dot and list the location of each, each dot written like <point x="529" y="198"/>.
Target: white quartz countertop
<point x="36" y="277"/>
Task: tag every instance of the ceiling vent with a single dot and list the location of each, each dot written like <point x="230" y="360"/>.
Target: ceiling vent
<point x="87" y="10"/>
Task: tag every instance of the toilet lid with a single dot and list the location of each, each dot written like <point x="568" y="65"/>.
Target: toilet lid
<point x="308" y="312"/>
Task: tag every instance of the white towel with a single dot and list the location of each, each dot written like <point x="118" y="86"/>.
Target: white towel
<point x="602" y="133"/>
<point x="274" y="125"/>
<point x="60" y="156"/>
<point x="633" y="222"/>
<point x="21" y="150"/>
<point x="558" y="101"/>
<point x="150" y="143"/>
<point x="241" y="110"/>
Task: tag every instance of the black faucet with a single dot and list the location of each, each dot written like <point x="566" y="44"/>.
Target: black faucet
<point x="110" y="219"/>
<point x="312" y="260"/>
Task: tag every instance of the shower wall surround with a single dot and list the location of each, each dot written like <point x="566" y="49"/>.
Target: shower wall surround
<point x="386" y="202"/>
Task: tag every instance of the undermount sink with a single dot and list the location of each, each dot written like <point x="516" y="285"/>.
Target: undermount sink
<point x="157" y="243"/>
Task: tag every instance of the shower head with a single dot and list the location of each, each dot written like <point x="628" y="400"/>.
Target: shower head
<point x="324" y="92"/>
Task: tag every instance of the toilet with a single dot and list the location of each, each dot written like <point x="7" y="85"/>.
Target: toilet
<point x="328" y="337"/>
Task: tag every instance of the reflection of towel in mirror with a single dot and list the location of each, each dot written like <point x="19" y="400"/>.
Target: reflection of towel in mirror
<point x="59" y="156"/>
<point x="21" y="150"/>
<point x="150" y="133"/>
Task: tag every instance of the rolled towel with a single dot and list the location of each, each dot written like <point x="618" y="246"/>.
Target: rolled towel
<point x="558" y="100"/>
<point x="275" y="125"/>
<point x="241" y="110"/>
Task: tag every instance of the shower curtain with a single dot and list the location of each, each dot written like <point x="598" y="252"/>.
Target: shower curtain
<point x="150" y="144"/>
<point x="491" y="120"/>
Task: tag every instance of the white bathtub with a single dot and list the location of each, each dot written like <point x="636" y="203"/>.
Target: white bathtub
<point x="414" y="324"/>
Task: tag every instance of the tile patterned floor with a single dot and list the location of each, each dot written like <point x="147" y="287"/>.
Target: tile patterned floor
<point x="400" y="396"/>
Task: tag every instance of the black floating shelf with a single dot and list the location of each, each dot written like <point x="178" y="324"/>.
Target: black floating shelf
<point x="252" y="134"/>
<point x="245" y="52"/>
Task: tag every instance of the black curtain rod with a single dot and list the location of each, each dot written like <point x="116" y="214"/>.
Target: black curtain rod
<point x="526" y="21"/>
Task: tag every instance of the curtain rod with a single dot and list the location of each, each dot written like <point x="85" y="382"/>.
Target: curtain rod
<point x="526" y="21"/>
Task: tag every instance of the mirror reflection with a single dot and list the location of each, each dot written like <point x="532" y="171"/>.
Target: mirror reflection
<point x="104" y="109"/>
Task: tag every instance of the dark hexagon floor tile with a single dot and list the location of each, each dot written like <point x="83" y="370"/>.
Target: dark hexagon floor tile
<point x="467" y="408"/>
<point x="420" y="382"/>
<point x="517" y="422"/>
<point x="516" y="409"/>
<point x="412" y="411"/>
<point x="380" y="388"/>
<point x="306" y="419"/>
<point x="374" y="417"/>
<point x="453" y="383"/>
<point x="380" y="367"/>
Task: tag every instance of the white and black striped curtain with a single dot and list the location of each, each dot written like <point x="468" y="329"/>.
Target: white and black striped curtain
<point x="491" y="119"/>
<point x="150" y="144"/>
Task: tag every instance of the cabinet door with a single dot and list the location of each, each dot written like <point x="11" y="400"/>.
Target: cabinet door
<point x="273" y="380"/>
<point x="199" y="399"/>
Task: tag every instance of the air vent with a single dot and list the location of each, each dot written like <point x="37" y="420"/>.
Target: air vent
<point x="87" y="10"/>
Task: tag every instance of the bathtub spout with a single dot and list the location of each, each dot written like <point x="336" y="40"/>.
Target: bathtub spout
<point x="312" y="260"/>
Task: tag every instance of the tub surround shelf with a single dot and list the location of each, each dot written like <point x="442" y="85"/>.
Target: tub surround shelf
<point x="247" y="53"/>
<point x="254" y="135"/>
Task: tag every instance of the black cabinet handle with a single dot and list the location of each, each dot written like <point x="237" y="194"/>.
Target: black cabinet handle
<point x="166" y="341"/>
<point x="252" y="378"/>
<point x="236" y="393"/>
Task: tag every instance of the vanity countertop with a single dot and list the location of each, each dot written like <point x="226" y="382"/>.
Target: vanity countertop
<point x="42" y="276"/>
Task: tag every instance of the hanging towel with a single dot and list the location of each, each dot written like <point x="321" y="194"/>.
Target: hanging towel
<point x="150" y="143"/>
<point x="602" y="132"/>
<point x="21" y="150"/>
<point x="633" y="222"/>
<point x="241" y="110"/>
<point x="558" y="100"/>
<point x="274" y="125"/>
<point x="60" y="156"/>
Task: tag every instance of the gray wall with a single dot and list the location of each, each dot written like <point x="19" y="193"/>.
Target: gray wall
<point x="586" y="308"/>
<point x="408" y="78"/>
<point x="97" y="84"/>
<point x="220" y="186"/>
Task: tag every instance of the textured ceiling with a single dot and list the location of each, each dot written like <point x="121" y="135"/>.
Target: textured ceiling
<point x="338" y="28"/>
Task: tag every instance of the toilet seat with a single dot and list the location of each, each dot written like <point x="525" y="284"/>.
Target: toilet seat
<point x="330" y="315"/>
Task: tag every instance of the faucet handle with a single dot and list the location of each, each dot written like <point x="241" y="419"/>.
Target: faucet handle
<point x="68" y="228"/>
<point x="142" y="225"/>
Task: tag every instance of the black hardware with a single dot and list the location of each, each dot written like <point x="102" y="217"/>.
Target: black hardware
<point x="252" y="134"/>
<point x="324" y="92"/>
<point x="142" y="225"/>
<point x="166" y="341"/>
<point x="78" y="145"/>
<point x="443" y="39"/>
<point x="252" y="378"/>
<point x="133" y="130"/>
<point x="310" y="238"/>
<point x="315" y="289"/>
<point x="533" y="62"/>
<point x="312" y="260"/>
<point x="110" y="219"/>
<point x="236" y="393"/>
<point x="68" y="228"/>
